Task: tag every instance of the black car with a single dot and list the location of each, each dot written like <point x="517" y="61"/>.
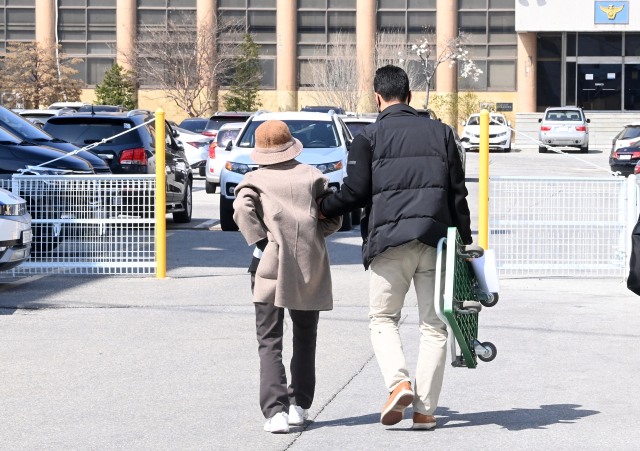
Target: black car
<point x="195" y="124"/>
<point x="27" y="132"/>
<point x="624" y="160"/>
<point x="102" y="109"/>
<point x="133" y="152"/>
<point x="216" y="121"/>
<point x="323" y="109"/>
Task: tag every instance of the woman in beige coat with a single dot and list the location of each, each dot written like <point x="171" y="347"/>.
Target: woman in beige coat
<point x="277" y="204"/>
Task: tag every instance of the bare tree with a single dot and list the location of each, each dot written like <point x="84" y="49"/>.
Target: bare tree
<point x="187" y="63"/>
<point x="335" y="80"/>
<point x="42" y="75"/>
<point x="392" y="48"/>
<point x="453" y="51"/>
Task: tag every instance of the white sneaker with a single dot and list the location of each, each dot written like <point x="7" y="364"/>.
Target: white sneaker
<point x="278" y="424"/>
<point x="297" y="415"/>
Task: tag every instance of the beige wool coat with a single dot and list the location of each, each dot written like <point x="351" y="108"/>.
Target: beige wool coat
<point x="278" y="202"/>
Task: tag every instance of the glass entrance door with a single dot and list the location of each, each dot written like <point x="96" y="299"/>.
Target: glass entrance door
<point x="599" y="87"/>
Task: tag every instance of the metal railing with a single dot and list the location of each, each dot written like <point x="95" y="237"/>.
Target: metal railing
<point x="90" y="224"/>
<point x="578" y="227"/>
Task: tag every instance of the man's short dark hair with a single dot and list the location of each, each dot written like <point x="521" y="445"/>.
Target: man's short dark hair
<point x="392" y="83"/>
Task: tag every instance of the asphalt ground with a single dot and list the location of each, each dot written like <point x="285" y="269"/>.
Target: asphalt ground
<point x="138" y="363"/>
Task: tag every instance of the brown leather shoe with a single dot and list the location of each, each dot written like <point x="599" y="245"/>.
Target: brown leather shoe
<point x="400" y="399"/>
<point x="423" y="421"/>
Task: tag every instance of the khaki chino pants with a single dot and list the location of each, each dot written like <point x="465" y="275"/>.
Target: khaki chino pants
<point x="391" y="275"/>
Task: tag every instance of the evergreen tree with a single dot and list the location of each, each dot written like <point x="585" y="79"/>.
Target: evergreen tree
<point x="117" y="88"/>
<point x="243" y="92"/>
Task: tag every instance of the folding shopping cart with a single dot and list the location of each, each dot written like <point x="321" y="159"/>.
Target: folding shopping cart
<point x="462" y="301"/>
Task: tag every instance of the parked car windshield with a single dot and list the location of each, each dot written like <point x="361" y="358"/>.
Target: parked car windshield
<point x="99" y="109"/>
<point x="497" y="119"/>
<point x="312" y="134"/>
<point x="474" y="120"/>
<point x="216" y="122"/>
<point x="6" y="137"/>
<point x="85" y="131"/>
<point x="630" y="132"/>
<point x="21" y="127"/>
<point x="227" y="135"/>
<point x="196" y="126"/>
<point x="563" y="115"/>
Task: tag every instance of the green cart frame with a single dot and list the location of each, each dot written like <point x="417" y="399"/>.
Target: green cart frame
<point x="462" y="301"/>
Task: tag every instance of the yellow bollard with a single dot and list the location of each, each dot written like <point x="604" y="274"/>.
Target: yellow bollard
<point x="483" y="216"/>
<point x="161" y="193"/>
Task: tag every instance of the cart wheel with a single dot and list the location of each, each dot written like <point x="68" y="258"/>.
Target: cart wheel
<point x="492" y="352"/>
<point x="470" y="251"/>
<point x="490" y="302"/>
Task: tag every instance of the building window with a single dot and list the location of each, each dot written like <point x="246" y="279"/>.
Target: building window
<point x="257" y="17"/>
<point x="405" y="22"/>
<point x="548" y="71"/>
<point x="490" y="25"/>
<point x="322" y="24"/>
<point x="17" y="22"/>
<point x="88" y="31"/>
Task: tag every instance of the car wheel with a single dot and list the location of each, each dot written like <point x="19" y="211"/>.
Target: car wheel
<point x="346" y="223"/>
<point x="584" y="149"/>
<point x="185" y="215"/>
<point x="542" y="149"/>
<point x="210" y="187"/>
<point x="201" y="171"/>
<point x="355" y="216"/>
<point x="227" y="224"/>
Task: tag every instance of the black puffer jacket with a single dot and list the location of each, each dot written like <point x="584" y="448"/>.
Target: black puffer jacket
<point x="405" y="171"/>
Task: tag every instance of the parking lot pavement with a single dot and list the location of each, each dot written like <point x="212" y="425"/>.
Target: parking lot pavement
<point x="138" y="363"/>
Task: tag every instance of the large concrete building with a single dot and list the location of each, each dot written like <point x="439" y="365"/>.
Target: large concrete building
<point x="533" y="54"/>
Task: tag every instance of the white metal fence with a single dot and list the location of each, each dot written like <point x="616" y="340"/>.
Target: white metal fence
<point x="576" y="227"/>
<point x="89" y="224"/>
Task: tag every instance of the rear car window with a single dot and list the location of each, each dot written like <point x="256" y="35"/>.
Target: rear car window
<point x="563" y="115"/>
<point x="355" y="127"/>
<point x="215" y="123"/>
<point x="196" y="126"/>
<point x="312" y="134"/>
<point x="83" y="132"/>
<point x="227" y="135"/>
<point x="630" y="132"/>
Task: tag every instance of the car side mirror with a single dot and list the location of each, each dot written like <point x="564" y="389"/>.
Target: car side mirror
<point x="588" y="121"/>
<point x="540" y="121"/>
<point x="174" y="133"/>
<point x="464" y="123"/>
<point x="229" y="145"/>
<point x="180" y="147"/>
<point x="508" y="123"/>
<point x="348" y="144"/>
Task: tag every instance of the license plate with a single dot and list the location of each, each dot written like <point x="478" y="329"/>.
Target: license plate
<point x="625" y="157"/>
<point x="562" y="129"/>
<point x="27" y="236"/>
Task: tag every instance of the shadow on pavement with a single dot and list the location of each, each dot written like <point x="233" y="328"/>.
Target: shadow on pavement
<point x="371" y="418"/>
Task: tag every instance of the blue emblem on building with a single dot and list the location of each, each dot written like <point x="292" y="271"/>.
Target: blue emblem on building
<point x="611" y="12"/>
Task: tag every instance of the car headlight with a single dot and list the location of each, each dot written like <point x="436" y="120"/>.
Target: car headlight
<point x="237" y="167"/>
<point x="325" y="168"/>
<point x="40" y="170"/>
<point x="501" y="134"/>
<point x="13" y="209"/>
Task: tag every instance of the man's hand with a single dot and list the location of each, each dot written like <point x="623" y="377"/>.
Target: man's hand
<point x="320" y="215"/>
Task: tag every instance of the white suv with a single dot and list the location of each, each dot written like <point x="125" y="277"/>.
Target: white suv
<point x="499" y="132"/>
<point x="325" y="139"/>
<point x="219" y="150"/>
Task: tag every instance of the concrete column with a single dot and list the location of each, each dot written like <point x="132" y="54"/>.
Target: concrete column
<point x="207" y="21"/>
<point x="446" y="28"/>
<point x="366" y="26"/>
<point x="46" y="22"/>
<point x="527" y="57"/>
<point x="125" y="30"/>
<point x="286" y="62"/>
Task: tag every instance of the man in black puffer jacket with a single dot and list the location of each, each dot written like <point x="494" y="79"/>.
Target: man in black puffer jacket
<point x="405" y="172"/>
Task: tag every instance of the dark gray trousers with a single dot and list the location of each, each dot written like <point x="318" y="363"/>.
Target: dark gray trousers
<point x="275" y="396"/>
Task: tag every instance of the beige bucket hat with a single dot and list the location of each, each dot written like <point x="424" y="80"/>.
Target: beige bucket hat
<point x="274" y="144"/>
